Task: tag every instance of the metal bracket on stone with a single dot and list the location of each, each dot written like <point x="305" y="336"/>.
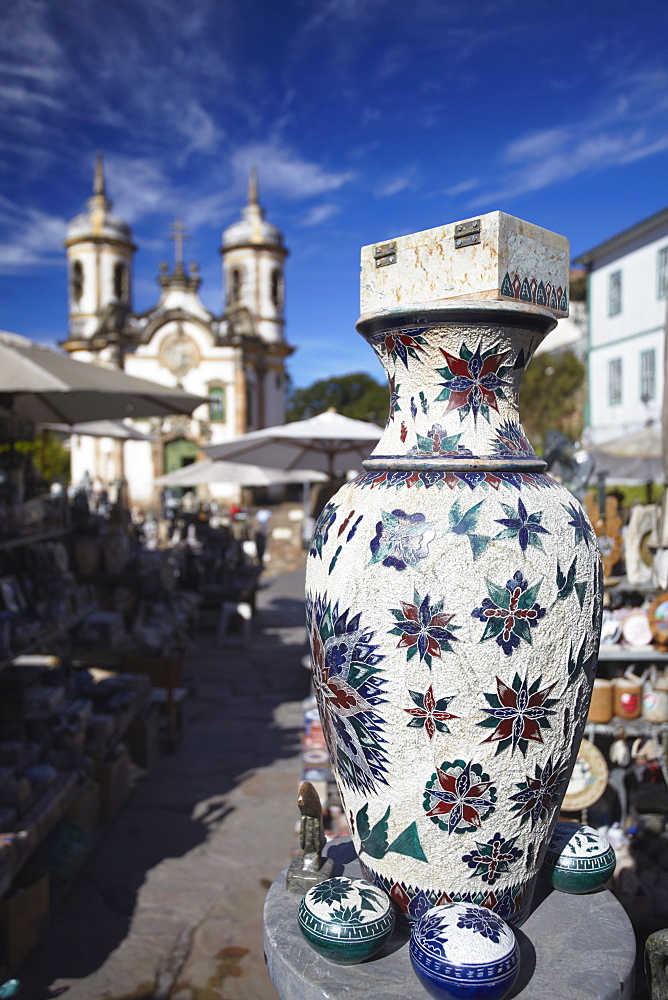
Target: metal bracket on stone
<point x="385" y="253"/>
<point x="467" y="233"/>
<point x="309" y="868"/>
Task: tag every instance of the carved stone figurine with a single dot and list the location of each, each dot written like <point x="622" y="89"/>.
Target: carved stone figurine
<point x="656" y="954"/>
<point x="309" y="868"/>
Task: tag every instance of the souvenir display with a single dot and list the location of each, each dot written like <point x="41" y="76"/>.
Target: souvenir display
<point x="346" y="920"/>
<point x="460" y="951"/>
<point x="600" y="708"/>
<point x="627" y="695"/>
<point x="589" y="778"/>
<point x="639" y="540"/>
<point x="116" y="550"/>
<point x="657" y="615"/>
<point x="636" y="629"/>
<point x="620" y="752"/>
<point x="607" y="525"/>
<point x="611" y="628"/>
<point x="578" y="859"/>
<point x="454" y="589"/>
<point x="655" y="696"/>
<point x="87" y="554"/>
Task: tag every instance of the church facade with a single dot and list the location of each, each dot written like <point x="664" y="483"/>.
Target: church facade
<point x="236" y="359"/>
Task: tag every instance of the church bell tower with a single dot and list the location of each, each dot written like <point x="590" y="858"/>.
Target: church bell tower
<point x="253" y="262"/>
<point x="254" y="311"/>
<point x="99" y="262"/>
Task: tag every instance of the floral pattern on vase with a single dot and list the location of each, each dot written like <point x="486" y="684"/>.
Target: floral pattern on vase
<point x="469" y="608"/>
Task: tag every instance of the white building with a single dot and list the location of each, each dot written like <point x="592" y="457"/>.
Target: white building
<point x="626" y="296"/>
<point x="235" y="359"/>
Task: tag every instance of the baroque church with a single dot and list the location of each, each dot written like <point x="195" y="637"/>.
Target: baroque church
<point x="236" y="359"/>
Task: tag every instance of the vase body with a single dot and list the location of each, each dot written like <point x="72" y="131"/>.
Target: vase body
<point x="453" y="602"/>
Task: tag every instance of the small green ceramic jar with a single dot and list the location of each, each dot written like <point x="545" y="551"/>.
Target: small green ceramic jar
<point x="346" y="920"/>
<point x="578" y="859"/>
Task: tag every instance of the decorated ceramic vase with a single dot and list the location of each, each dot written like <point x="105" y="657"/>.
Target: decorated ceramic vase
<point x="578" y="859"/>
<point x="463" y="952"/>
<point x="346" y="920"/>
<point x="454" y="600"/>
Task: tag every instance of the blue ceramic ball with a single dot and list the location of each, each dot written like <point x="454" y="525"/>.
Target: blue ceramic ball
<point x="346" y="920"/>
<point x="578" y="859"/>
<point x="461" y="951"/>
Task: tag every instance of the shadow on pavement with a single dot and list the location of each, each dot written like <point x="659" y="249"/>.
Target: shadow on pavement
<point x="242" y="715"/>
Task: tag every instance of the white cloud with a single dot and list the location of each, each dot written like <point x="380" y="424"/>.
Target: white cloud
<point x="140" y="188"/>
<point x="537" y="145"/>
<point x="285" y="172"/>
<point x="629" y="125"/>
<point x="137" y="187"/>
<point x="401" y="183"/>
<point x="35" y="239"/>
<point x="197" y="125"/>
<point x="467" y="185"/>
<point x="319" y="214"/>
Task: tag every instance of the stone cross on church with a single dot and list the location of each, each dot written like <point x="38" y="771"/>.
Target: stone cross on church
<point x="178" y="234"/>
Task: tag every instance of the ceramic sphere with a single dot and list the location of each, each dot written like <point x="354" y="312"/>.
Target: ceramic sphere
<point x="461" y="951"/>
<point x="346" y="920"/>
<point x="578" y="859"/>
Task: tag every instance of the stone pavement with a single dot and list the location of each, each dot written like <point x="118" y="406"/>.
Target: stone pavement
<point x="169" y="905"/>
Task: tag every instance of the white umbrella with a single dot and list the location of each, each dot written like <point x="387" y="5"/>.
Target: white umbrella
<point x="645" y="443"/>
<point x="209" y="471"/>
<point x="46" y="385"/>
<point x="329" y="442"/>
<point x="115" y="429"/>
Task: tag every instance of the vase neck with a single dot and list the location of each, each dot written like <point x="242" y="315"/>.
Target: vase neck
<point x="454" y="390"/>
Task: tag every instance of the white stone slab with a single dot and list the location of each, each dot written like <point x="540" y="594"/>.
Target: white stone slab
<point x="514" y="261"/>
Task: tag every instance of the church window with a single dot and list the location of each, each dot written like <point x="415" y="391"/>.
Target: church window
<point x="250" y="406"/>
<point x="236" y="281"/>
<point x="77" y="280"/>
<point x="119" y="281"/>
<point x="276" y="288"/>
<point x="217" y="404"/>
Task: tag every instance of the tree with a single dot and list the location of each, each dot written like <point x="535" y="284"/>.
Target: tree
<point x="552" y="396"/>
<point x="49" y="457"/>
<point x="357" y="395"/>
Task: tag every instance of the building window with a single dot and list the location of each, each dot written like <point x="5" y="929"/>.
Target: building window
<point x="647" y="376"/>
<point x="236" y="281"/>
<point x="119" y="281"/>
<point x="276" y="288"/>
<point x="217" y="404"/>
<point x="615" y="293"/>
<point x="662" y="273"/>
<point x="615" y="381"/>
<point x="250" y="406"/>
<point x="77" y="280"/>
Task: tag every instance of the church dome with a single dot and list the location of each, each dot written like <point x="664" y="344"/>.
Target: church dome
<point x="98" y="222"/>
<point x="109" y="226"/>
<point x="252" y="228"/>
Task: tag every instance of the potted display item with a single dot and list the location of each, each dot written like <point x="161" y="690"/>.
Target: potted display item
<point x="578" y="859"/>
<point x="460" y="951"/>
<point x="454" y="588"/>
<point x="346" y="920"/>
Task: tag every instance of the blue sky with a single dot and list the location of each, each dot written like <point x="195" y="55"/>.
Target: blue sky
<point x="367" y="119"/>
